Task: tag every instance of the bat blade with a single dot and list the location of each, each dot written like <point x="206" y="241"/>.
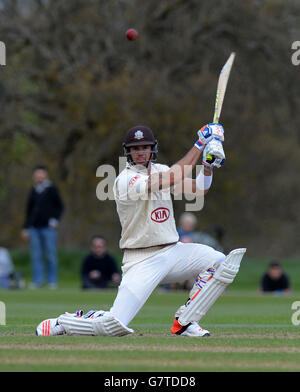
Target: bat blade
<point x="221" y="88"/>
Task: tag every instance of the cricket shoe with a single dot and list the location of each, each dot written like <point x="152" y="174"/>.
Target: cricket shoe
<point x="51" y="327"/>
<point x="192" y="329"/>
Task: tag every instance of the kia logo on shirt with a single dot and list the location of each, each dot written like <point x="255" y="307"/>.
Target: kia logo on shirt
<point x="160" y="215"/>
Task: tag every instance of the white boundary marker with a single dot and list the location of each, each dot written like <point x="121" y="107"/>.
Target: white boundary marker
<point x="2" y="313"/>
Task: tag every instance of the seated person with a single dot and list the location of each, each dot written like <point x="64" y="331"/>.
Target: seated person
<point x="99" y="269"/>
<point x="6" y="269"/>
<point x="187" y="225"/>
<point x="187" y="232"/>
<point x="275" y="280"/>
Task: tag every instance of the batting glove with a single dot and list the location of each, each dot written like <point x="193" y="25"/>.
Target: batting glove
<point x="205" y="135"/>
<point x="217" y="131"/>
<point x="208" y="133"/>
<point x="213" y="154"/>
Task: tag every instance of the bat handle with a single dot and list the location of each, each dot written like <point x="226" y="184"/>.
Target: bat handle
<point x="210" y="158"/>
<point x="216" y="118"/>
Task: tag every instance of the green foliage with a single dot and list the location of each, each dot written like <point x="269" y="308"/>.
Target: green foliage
<point x="73" y="85"/>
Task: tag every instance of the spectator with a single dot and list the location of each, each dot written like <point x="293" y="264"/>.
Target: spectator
<point x="275" y="280"/>
<point x="9" y="279"/>
<point x="99" y="269"/>
<point x="6" y="269"/>
<point x="187" y="224"/>
<point x="216" y="234"/>
<point x="187" y="232"/>
<point x="43" y="212"/>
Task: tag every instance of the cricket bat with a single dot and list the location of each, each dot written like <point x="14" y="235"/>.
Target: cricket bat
<point x="221" y="89"/>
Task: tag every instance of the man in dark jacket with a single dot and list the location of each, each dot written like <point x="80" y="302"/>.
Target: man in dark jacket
<point x="43" y="212"/>
<point x="99" y="269"/>
<point x="275" y="280"/>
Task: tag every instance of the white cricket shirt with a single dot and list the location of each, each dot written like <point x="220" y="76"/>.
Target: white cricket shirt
<point x="147" y="219"/>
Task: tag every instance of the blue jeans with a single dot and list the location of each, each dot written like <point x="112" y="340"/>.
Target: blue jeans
<point x="5" y="282"/>
<point x="43" y="242"/>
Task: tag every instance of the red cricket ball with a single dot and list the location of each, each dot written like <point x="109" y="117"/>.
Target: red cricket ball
<point x="131" y="34"/>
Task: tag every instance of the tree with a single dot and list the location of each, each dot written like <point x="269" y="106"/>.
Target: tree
<point x="73" y="85"/>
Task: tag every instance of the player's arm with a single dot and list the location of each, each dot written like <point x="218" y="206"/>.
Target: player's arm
<point x="176" y="173"/>
<point x="198" y="186"/>
<point x="179" y="171"/>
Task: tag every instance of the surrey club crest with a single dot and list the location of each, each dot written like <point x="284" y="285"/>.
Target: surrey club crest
<point x="139" y="135"/>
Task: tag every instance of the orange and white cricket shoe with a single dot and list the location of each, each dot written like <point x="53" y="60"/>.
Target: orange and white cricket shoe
<point x="49" y="327"/>
<point x="192" y="329"/>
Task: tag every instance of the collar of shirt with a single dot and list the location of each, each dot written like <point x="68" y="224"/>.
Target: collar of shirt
<point x="137" y="168"/>
<point x="41" y="187"/>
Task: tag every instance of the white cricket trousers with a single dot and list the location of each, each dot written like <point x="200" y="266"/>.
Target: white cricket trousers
<point x="176" y="264"/>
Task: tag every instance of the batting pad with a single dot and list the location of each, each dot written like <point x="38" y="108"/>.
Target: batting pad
<point x="204" y="298"/>
<point x="100" y="324"/>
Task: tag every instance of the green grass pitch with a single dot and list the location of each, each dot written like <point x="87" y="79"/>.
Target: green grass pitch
<point x="249" y="332"/>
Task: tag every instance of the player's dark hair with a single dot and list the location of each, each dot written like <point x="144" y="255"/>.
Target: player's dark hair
<point x="40" y="167"/>
<point x="274" y="263"/>
<point x="98" y="237"/>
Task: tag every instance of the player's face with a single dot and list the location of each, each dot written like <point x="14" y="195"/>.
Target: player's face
<point x="140" y="154"/>
<point x="40" y="176"/>
<point x="98" y="246"/>
<point x="275" y="273"/>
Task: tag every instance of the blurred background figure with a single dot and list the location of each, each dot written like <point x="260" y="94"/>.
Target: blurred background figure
<point x="43" y="212"/>
<point x="275" y="280"/>
<point x="186" y="228"/>
<point x="187" y="232"/>
<point x="6" y="269"/>
<point x="99" y="269"/>
<point x="9" y="279"/>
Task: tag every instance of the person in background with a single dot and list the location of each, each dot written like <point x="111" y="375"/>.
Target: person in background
<point x="43" y="211"/>
<point x="275" y="280"/>
<point x="9" y="278"/>
<point x="6" y="269"/>
<point x="99" y="269"/>
<point x="187" y="232"/>
<point x="186" y="228"/>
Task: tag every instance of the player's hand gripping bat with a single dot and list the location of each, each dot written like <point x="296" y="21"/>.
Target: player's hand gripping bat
<point x="221" y="89"/>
